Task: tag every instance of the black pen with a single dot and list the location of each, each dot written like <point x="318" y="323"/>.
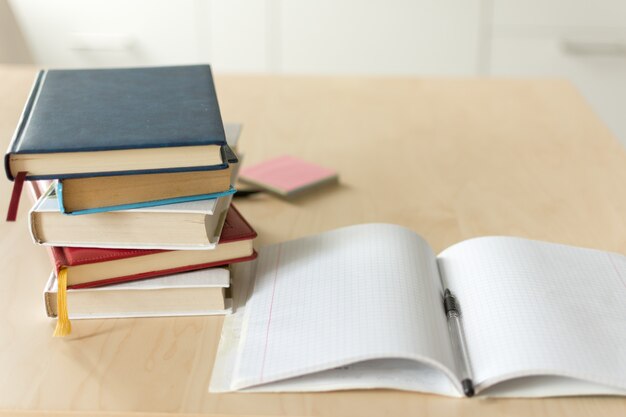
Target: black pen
<point x="458" y="342"/>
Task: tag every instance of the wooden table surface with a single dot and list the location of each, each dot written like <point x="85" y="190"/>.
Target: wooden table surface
<point x="448" y="158"/>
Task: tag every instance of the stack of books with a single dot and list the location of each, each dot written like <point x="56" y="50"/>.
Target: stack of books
<point x="132" y="171"/>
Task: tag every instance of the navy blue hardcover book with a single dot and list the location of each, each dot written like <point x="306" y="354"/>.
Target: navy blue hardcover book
<point x="102" y="122"/>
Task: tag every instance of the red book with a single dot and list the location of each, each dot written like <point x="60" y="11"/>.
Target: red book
<point x="92" y="267"/>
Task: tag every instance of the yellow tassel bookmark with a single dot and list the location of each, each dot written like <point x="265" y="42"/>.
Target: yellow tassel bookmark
<point x="64" y="327"/>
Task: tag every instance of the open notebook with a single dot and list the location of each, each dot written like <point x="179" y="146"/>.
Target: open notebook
<point x="361" y="307"/>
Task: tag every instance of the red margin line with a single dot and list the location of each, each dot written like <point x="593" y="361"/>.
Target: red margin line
<point x="269" y="320"/>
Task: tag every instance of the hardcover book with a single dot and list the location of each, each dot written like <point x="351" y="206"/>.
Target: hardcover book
<point x="92" y="267"/>
<point x="188" y="225"/>
<point x="195" y="293"/>
<point x="121" y="192"/>
<point x="92" y="122"/>
<point x="367" y="306"/>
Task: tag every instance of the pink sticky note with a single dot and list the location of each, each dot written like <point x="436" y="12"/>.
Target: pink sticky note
<point x="287" y="175"/>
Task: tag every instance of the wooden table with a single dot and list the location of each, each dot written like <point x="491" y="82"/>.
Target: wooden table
<point x="449" y="158"/>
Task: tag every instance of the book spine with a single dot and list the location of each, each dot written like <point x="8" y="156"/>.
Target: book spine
<point x="21" y="125"/>
<point x="32" y="226"/>
<point x="59" y="260"/>
<point x="37" y="190"/>
<point x="47" y="297"/>
<point x="59" y="191"/>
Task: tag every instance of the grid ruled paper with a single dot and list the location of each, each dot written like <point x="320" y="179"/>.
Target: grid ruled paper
<point x="536" y="308"/>
<point x="350" y="295"/>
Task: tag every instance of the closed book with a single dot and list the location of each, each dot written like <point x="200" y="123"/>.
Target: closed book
<point x="193" y="293"/>
<point x="188" y="225"/>
<point x="121" y="192"/>
<point x="92" y="267"/>
<point x="99" y="122"/>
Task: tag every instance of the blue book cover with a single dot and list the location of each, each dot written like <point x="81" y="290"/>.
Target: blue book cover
<point x="102" y="113"/>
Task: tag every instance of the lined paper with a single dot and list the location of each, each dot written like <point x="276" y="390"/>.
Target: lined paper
<point x="350" y="295"/>
<point x="536" y="308"/>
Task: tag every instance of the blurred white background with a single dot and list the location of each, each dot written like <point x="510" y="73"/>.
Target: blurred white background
<point x="581" y="40"/>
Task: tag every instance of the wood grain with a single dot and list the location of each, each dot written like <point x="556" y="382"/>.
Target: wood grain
<point x="448" y="158"/>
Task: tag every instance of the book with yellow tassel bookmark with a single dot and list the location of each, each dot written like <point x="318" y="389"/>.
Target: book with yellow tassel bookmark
<point x="196" y="293"/>
<point x="64" y="326"/>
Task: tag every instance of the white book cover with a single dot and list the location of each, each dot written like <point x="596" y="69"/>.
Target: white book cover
<point x="182" y="294"/>
<point x="48" y="203"/>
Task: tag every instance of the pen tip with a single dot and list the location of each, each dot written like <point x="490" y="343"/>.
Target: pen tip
<point x="468" y="387"/>
<point x="447" y="293"/>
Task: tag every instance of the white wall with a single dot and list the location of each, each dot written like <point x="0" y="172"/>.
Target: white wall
<point x="582" y="40"/>
<point x="291" y="36"/>
<point x="13" y="48"/>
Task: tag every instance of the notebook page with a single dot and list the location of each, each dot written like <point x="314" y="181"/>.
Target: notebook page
<point x="353" y="294"/>
<point x="536" y="308"/>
